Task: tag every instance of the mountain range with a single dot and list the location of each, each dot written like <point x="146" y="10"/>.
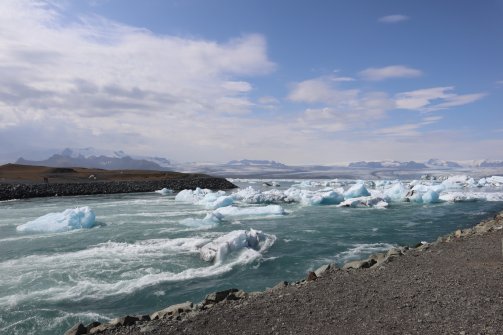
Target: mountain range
<point x="117" y="160"/>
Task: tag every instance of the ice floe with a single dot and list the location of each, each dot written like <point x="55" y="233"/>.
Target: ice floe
<point x="69" y="219"/>
<point x="164" y="191"/>
<point x="356" y="191"/>
<point x="240" y="212"/>
<point x="370" y="201"/>
<point x="251" y="240"/>
<point x="205" y="197"/>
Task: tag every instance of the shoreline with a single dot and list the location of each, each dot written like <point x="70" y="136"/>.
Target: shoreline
<point x="200" y="318"/>
<point x="10" y="191"/>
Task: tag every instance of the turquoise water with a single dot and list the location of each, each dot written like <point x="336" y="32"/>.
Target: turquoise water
<point x="140" y="258"/>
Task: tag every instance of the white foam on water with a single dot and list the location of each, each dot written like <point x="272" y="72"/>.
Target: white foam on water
<point x="69" y="219"/>
<point x="360" y="251"/>
<point x="113" y="268"/>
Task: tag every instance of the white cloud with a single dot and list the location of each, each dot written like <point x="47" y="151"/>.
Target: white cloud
<point x="408" y="129"/>
<point x="340" y="108"/>
<point x="110" y="79"/>
<point x="393" y="71"/>
<point x="395" y="18"/>
<point x="434" y="99"/>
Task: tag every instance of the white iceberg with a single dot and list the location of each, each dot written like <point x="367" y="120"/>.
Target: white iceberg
<point x="356" y="191"/>
<point x="459" y="181"/>
<point x="252" y="196"/>
<point x="164" y="191"/>
<point x="209" y="221"/>
<point x="237" y="240"/>
<point x="205" y="197"/>
<point x="424" y="194"/>
<point x="77" y="218"/>
<point x="192" y="196"/>
<point x="369" y="201"/>
<point x="231" y="211"/>
<point x="396" y="192"/>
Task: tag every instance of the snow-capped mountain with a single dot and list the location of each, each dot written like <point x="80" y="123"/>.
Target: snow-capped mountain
<point x="387" y="165"/>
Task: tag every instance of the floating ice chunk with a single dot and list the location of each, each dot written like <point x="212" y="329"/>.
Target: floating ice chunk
<point x="205" y="197"/>
<point x="236" y="240"/>
<point x="423" y="194"/>
<point x="356" y="191"/>
<point x="430" y="197"/>
<point x="459" y="197"/>
<point x="192" y="195"/>
<point x="459" y="181"/>
<point x="494" y="181"/>
<point x="471" y="196"/>
<point x="397" y="192"/>
<point x="252" y="196"/>
<point x="209" y="221"/>
<point x="322" y="198"/>
<point x="369" y="201"/>
<point x="165" y="191"/>
<point x="231" y="211"/>
<point x="69" y="219"/>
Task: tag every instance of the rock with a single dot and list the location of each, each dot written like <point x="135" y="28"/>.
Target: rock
<point x="237" y="295"/>
<point x="172" y="310"/>
<point x="379" y="258"/>
<point x="360" y="264"/>
<point x="124" y="321"/>
<point x="324" y="268"/>
<point x="216" y="297"/>
<point x="458" y="233"/>
<point x="101" y="328"/>
<point x="279" y="285"/>
<point x="78" y="329"/>
<point x="92" y="325"/>
<point x="311" y="276"/>
<point x="144" y="318"/>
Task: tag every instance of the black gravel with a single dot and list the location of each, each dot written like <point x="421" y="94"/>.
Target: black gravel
<point x="22" y="191"/>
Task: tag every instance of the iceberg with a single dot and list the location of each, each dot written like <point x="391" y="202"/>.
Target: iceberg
<point x="460" y="181"/>
<point x="164" y="191"/>
<point x="231" y="211"/>
<point x="356" y="191"/>
<point x="219" y="248"/>
<point x="205" y="197"/>
<point x="396" y="192"/>
<point x="252" y="196"/>
<point x="424" y="194"/>
<point x="209" y="221"/>
<point x="369" y="201"/>
<point x="77" y="218"/>
<point x="192" y="195"/>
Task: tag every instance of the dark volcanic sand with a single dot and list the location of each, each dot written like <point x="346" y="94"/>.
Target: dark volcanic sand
<point x="27" y="174"/>
<point x="449" y="288"/>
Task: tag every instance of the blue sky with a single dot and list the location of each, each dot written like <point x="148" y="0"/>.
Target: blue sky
<point x="302" y="82"/>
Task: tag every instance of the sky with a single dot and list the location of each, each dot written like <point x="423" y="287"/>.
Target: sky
<point x="297" y="81"/>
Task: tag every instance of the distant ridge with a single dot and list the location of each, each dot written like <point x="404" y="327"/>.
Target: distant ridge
<point x="68" y="159"/>
<point x="387" y="165"/>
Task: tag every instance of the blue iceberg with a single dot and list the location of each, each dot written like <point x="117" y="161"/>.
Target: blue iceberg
<point x="69" y="219"/>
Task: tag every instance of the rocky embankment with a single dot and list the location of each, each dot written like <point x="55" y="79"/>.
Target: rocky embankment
<point x="10" y="191"/>
<point x="451" y="286"/>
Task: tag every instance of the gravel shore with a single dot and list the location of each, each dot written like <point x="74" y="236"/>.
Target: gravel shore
<point x="454" y="286"/>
